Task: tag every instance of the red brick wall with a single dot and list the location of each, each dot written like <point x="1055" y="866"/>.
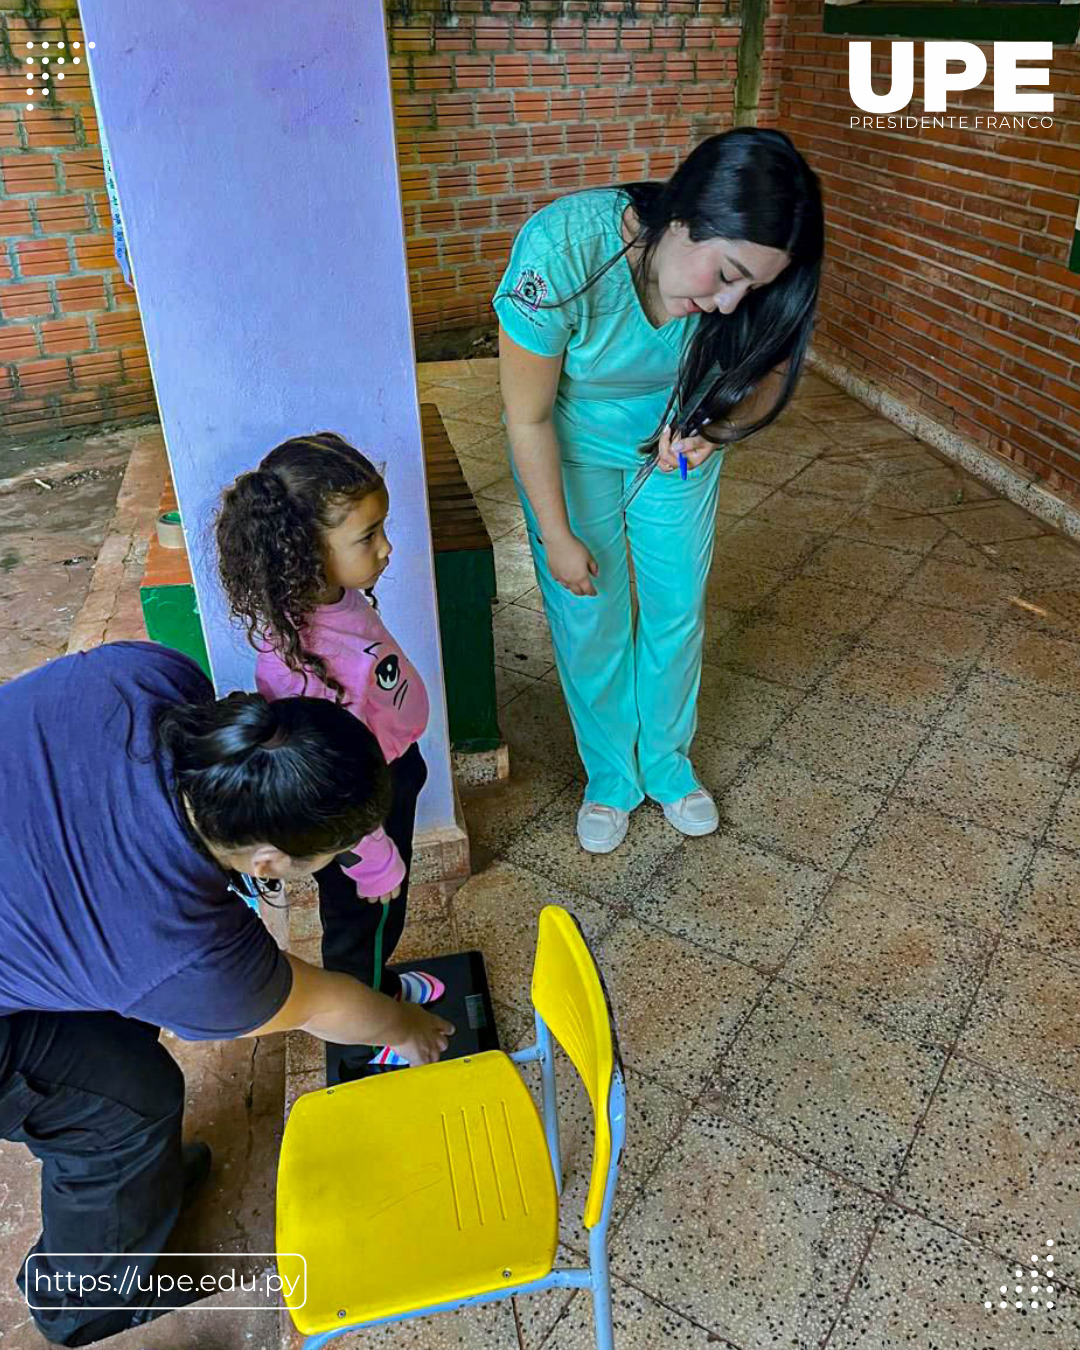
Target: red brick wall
<point x="947" y="279"/>
<point x="71" y="346"/>
<point x="501" y="107"/>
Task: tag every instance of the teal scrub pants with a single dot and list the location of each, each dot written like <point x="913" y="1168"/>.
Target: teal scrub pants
<point x="632" y="689"/>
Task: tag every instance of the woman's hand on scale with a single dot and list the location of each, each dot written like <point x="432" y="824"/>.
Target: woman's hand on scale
<point x="694" y="449"/>
<point x="571" y="563"/>
<point x="421" y="1037"/>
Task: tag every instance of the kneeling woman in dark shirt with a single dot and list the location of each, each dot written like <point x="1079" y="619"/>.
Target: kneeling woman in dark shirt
<point x="131" y="799"/>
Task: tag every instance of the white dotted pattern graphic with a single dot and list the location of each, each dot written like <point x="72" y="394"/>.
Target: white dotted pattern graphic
<point x="1036" y="1297"/>
<point x="45" y="75"/>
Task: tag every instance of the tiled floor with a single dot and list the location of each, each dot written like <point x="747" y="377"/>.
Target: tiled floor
<point x="851" y="1019"/>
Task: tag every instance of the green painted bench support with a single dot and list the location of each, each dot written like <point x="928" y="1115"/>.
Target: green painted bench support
<point x="465" y="582"/>
<point x="171" y="615"/>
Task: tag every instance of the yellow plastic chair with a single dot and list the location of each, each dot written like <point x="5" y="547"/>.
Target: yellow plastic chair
<point x="435" y="1188"/>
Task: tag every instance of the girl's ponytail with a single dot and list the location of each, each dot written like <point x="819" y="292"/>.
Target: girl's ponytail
<point x="270" y="560"/>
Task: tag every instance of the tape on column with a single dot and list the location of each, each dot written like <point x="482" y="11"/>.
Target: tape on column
<point x="170" y="531"/>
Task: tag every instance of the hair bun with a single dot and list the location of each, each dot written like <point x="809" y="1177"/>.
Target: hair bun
<point x="256" y="725"/>
<point x="277" y="738"/>
<point x="245" y="723"/>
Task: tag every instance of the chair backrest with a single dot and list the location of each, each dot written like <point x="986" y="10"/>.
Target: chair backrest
<point x="568" y="993"/>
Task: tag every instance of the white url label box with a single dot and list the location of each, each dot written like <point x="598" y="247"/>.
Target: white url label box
<point x="150" y="1281"/>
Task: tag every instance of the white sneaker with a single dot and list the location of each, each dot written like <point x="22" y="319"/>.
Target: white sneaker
<point x="695" y="814"/>
<point x="600" y="829"/>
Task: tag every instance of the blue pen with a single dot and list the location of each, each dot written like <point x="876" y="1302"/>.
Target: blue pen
<point x="682" y="467"/>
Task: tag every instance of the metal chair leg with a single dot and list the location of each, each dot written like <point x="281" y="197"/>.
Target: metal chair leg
<point x="550" y="1099"/>
<point x="601" y="1287"/>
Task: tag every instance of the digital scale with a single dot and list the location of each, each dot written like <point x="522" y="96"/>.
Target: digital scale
<point x="466" y="1003"/>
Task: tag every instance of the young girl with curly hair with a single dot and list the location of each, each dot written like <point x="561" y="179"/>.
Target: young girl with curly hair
<point x="301" y="543"/>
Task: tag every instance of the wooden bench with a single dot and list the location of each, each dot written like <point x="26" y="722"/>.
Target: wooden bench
<point x="464" y="580"/>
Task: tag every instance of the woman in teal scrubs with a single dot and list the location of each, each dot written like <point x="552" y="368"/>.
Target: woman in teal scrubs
<point x="619" y="305"/>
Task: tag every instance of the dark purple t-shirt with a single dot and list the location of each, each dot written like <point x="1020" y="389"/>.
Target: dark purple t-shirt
<point x="106" y="901"/>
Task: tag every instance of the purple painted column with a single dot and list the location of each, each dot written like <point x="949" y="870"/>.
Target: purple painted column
<point x="254" y="153"/>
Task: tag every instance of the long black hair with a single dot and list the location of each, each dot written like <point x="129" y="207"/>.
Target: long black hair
<point x="746" y="184"/>
<point x="302" y="774"/>
<point x="270" y="529"/>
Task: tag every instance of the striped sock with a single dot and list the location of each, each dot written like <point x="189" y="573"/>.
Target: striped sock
<point x="389" y="1059"/>
<point x="419" y="987"/>
<point x="416" y="987"/>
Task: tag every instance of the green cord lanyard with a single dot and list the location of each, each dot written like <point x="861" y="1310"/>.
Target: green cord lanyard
<point x="376" y="982"/>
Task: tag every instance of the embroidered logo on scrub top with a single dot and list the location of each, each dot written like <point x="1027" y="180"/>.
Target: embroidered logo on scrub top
<point x="531" y="288"/>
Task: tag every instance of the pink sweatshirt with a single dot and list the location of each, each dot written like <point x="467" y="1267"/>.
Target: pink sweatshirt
<point x="382" y="689"/>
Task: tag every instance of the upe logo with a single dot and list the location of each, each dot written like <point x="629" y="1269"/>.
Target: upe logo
<point x="939" y="81"/>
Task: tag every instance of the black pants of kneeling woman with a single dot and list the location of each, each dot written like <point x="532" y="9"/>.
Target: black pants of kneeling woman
<point x="99" y="1102"/>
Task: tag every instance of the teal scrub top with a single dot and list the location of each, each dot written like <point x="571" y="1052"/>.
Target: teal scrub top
<point x="618" y="369"/>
